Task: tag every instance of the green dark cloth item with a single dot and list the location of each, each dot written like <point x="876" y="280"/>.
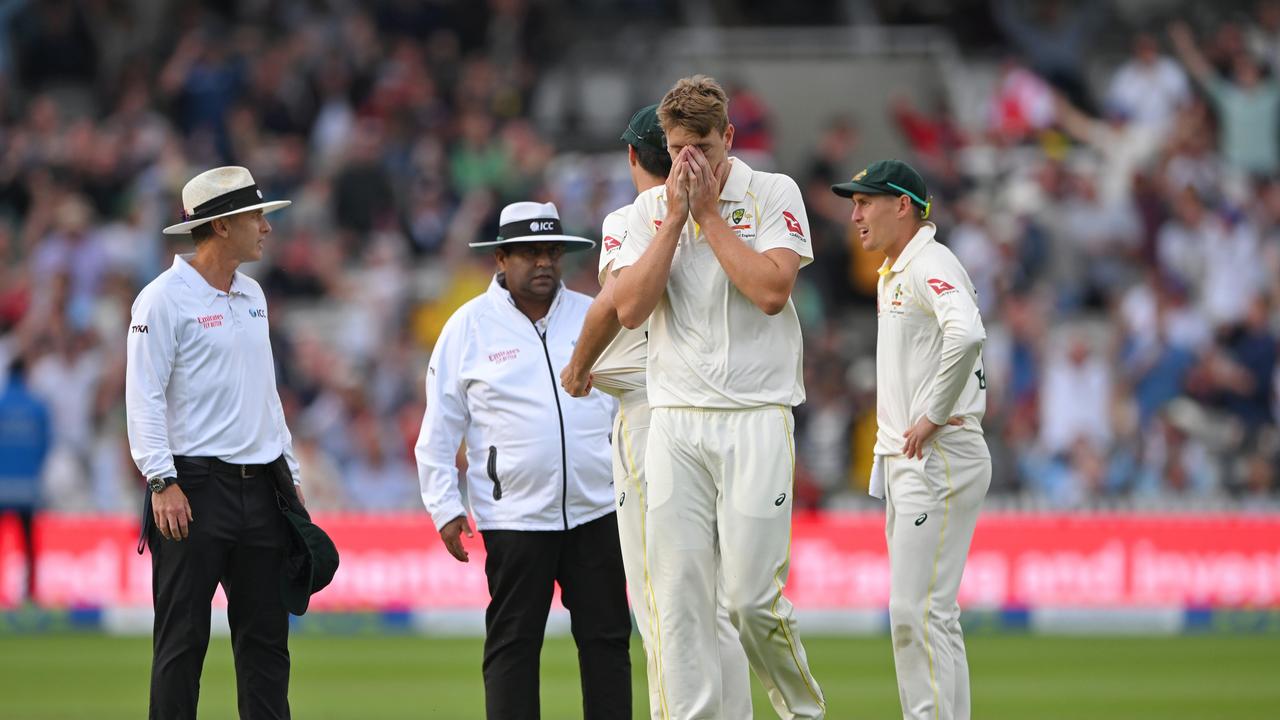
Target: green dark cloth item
<point x="887" y="177"/>
<point x="644" y="130"/>
<point x="311" y="559"/>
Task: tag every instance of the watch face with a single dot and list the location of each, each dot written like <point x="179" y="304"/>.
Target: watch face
<point x="157" y="484"/>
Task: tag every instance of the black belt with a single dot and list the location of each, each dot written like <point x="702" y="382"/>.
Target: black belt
<point x="214" y="464"/>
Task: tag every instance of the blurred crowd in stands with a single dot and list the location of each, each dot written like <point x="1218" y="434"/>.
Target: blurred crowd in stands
<point x="1123" y="230"/>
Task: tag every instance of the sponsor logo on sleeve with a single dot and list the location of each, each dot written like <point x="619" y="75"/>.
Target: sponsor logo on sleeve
<point x="258" y="312"/>
<point x="940" y="286"/>
<point x="611" y="243"/>
<point x="793" y="225"/>
<point x="139" y="329"/>
<point x="657" y="223"/>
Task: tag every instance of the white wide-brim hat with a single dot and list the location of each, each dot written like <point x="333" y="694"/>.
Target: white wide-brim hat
<point x="526" y="222"/>
<point x="218" y="193"/>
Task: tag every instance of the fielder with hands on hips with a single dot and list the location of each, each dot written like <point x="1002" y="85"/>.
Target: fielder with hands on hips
<point x="931" y="464"/>
<point x="207" y="430"/>
<point x="538" y="477"/>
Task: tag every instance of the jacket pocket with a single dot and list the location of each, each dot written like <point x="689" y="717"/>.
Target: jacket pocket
<point x="492" y="467"/>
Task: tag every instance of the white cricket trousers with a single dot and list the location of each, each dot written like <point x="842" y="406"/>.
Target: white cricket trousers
<point x="631" y="433"/>
<point x="719" y="505"/>
<point x="932" y="507"/>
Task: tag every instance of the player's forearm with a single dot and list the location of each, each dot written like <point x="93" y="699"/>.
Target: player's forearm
<point x="640" y="286"/>
<point x="765" y="283"/>
<point x="599" y="328"/>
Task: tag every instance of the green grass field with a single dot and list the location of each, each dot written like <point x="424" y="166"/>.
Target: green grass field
<point x="1014" y="676"/>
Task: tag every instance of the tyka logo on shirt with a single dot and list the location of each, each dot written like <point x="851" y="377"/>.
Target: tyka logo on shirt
<point x="142" y="329"/>
<point x="258" y="312"/>
<point x="940" y="286"/>
<point x="210" y="321"/>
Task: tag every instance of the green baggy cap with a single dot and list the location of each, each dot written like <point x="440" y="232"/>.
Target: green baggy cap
<point x="644" y="130"/>
<point x="887" y="177"/>
<point x="311" y="558"/>
<point x="310" y="563"/>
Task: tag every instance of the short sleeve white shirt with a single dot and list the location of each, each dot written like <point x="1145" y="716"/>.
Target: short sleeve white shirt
<point x="621" y="367"/>
<point x="709" y="345"/>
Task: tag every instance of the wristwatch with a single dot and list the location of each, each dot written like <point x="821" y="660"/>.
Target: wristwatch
<point x="158" y="484"/>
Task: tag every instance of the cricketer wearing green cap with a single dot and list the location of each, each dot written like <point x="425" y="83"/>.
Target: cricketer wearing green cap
<point x="888" y="177"/>
<point x="612" y="359"/>
<point x="932" y="466"/>
<point x="644" y="130"/>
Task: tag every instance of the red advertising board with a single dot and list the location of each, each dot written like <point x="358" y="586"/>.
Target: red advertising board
<point x="838" y="562"/>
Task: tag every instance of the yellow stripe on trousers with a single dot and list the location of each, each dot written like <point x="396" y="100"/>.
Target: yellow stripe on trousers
<point x="777" y="581"/>
<point x="928" y="602"/>
<point x="655" y="630"/>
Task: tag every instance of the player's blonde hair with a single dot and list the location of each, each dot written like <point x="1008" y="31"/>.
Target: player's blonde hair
<point x="697" y="104"/>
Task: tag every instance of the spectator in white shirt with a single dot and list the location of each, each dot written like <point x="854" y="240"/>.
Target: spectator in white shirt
<point x="1075" y="399"/>
<point x="1149" y="88"/>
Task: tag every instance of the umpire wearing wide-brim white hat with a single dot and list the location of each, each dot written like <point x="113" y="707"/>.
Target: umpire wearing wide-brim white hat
<point x="529" y="222"/>
<point x="207" y="429"/>
<point x="218" y="193"/>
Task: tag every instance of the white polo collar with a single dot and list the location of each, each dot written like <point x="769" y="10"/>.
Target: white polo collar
<point x="918" y="242"/>
<point x="735" y="188"/>
<point x="202" y="288"/>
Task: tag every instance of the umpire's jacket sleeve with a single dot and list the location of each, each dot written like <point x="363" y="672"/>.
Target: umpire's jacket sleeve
<point x="150" y="350"/>
<point x="444" y="425"/>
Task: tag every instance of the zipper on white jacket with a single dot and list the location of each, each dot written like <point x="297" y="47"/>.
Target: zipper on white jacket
<point x="564" y="451"/>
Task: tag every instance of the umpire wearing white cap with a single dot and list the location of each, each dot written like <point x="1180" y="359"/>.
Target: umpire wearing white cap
<point x="207" y="430"/>
<point x="539" y="472"/>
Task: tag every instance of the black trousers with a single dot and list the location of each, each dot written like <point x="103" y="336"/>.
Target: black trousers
<point x="26" y="520"/>
<point x="523" y="567"/>
<point x="237" y="538"/>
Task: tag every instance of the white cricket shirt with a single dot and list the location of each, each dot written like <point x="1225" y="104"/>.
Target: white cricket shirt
<point x="709" y="345"/>
<point x="929" y="344"/>
<point x="620" y="368"/>
<point x="200" y="379"/>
